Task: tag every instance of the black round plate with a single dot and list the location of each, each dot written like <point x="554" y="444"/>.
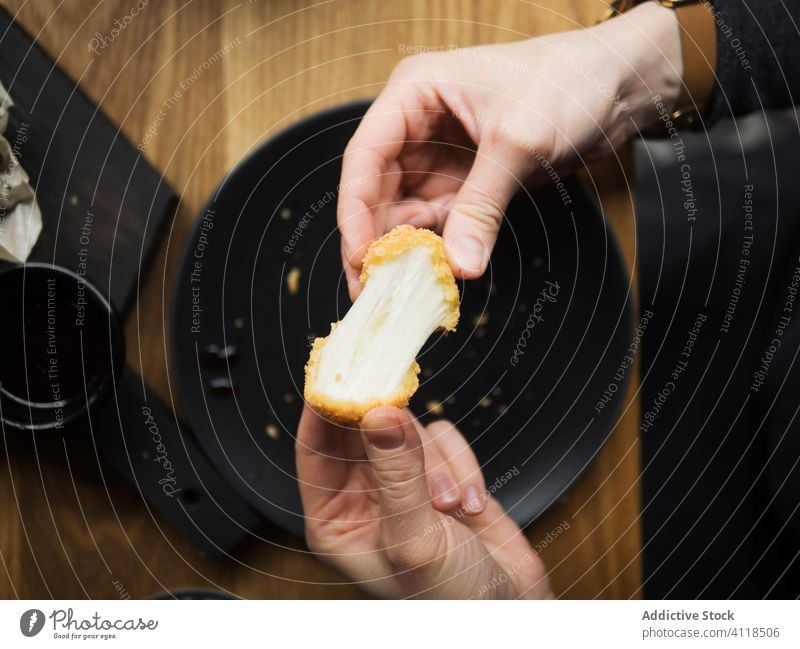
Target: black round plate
<point x="261" y="276"/>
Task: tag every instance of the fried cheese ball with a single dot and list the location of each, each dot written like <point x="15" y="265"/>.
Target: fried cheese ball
<point x="369" y="357"/>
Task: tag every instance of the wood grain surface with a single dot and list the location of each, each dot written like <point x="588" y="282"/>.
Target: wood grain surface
<point x="70" y="531"/>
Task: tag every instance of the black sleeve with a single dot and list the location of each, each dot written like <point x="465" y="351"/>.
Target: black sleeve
<point x="758" y="56"/>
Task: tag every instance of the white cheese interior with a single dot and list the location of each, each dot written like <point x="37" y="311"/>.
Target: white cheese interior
<point x="369" y="352"/>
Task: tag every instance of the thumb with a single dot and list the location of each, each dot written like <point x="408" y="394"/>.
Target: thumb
<point x="395" y="452"/>
<point x="471" y="228"/>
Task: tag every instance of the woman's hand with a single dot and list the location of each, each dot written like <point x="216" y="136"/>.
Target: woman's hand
<point x="403" y="511"/>
<point x="454" y="135"/>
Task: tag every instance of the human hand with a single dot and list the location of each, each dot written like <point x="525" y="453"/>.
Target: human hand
<point x="402" y="510"/>
<point x="454" y="135"/>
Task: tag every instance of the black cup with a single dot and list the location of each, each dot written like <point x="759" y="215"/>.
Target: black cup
<point x="62" y="347"/>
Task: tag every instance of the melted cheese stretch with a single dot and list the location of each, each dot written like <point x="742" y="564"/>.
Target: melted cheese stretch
<point x="368" y="354"/>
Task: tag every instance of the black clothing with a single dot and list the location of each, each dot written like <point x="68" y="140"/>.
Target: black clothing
<point x="719" y="259"/>
<point x="758" y="65"/>
<point x="721" y="443"/>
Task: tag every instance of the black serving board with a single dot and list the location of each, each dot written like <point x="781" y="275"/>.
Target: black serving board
<point x="81" y="165"/>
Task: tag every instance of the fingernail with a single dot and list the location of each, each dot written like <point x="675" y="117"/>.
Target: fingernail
<point x="473" y="503"/>
<point x="348" y="252"/>
<point x="385" y="434"/>
<point x="353" y="288"/>
<point x="444" y="491"/>
<point x="421" y="221"/>
<point x="468" y="253"/>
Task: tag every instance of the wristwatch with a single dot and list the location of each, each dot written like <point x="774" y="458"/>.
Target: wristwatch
<point x="698" y="52"/>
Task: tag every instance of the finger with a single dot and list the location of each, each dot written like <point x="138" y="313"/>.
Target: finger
<point x="412" y="211"/>
<point x="320" y="459"/>
<point x="442" y="483"/>
<point x="376" y="143"/>
<point x="473" y="223"/>
<point x="352" y="276"/>
<point x="463" y="464"/>
<point x="394" y="450"/>
<point x="504" y="531"/>
<point x="419" y="213"/>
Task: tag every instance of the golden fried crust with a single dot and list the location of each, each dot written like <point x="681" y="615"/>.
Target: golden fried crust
<point x="388" y="247"/>
<point x="401" y="239"/>
<point x="351" y="412"/>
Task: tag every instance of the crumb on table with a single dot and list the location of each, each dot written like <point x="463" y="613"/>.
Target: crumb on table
<point x="293" y="280"/>
<point x="434" y="407"/>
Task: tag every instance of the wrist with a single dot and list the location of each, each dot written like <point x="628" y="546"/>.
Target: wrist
<point x="653" y="69"/>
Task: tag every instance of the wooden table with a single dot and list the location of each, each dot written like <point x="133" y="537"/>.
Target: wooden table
<point x="66" y="535"/>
